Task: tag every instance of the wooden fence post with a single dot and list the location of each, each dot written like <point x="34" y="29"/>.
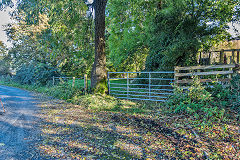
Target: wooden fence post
<point x="108" y="81"/>
<point x="200" y="58"/>
<point x="53" y="80"/>
<point x="209" y="58"/>
<point x="233" y="57"/>
<point x="222" y="56"/>
<point x="238" y="60"/>
<point x="175" y="77"/>
<point x="85" y="84"/>
<point x="73" y="83"/>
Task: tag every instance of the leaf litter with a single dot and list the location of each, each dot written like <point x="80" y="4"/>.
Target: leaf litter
<point x="76" y="132"/>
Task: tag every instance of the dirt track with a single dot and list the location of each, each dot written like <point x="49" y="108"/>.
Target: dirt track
<point x="18" y="126"/>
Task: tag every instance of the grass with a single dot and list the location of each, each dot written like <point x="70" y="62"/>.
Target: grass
<point x="94" y="102"/>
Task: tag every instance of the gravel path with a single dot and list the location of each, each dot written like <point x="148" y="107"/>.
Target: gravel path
<point x="18" y="126"/>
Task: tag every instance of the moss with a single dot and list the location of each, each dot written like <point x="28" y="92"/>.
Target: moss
<point x="101" y="87"/>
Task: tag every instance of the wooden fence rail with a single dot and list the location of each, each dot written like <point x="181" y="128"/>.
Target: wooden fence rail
<point x="184" y="75"/>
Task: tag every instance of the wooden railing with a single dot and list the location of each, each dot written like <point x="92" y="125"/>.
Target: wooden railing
<point x="183" y="75"/>
<point x="230" y="56"/>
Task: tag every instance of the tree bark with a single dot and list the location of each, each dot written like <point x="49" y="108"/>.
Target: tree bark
<point x="99" y="72"/>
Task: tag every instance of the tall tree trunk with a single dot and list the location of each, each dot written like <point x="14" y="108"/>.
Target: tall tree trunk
<point x="99" y="72"/>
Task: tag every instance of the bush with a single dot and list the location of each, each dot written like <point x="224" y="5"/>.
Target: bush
<point x="38" y="74"/>
<point x="4" y="67"/>
<point x="65" y="91"/>
<point x="197" y="101"/>
<point x="235" y="93"/>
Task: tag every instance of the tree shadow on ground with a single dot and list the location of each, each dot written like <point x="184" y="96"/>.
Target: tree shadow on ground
<point x="18" y="138"/>
<point x="75" y="141"/>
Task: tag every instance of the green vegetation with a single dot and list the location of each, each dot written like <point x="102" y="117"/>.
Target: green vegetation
<point x="182" y="28"/>
<point x="196" y="113"/>
<point x="40" y="74"/>
<point x="5" y="60"/>
<point x="140" y="35"/>
<point x="60" y="38"/>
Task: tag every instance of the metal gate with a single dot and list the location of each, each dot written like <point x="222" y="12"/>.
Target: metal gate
<point x="149" y="86"/>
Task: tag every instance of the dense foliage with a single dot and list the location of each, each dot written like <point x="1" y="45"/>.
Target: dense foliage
<point x="45" y="35"/>
<point x="5" y="60"/>
<point x="127" y="26"/>
<point x="205" y="102"/>
<point x="181" y="28"/>
<point x="140" y="35"/>
<point x="32" y="74"/>
<point x="161" y="34"/>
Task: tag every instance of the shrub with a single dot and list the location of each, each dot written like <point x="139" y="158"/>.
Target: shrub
<point x="65" y="91"/>
<point x="235" y="93"/>
<point x="38" y="74"/>
<point x="197" y="101"/>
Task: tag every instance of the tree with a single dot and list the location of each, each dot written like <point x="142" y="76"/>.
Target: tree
<point x="63" y="39"/>
<point x="99" y="72"/>
<point x="64" y="28"/>
<point x="127" y="27"/>
<point x="4" y="60"/>
<point x="183" y="27"/>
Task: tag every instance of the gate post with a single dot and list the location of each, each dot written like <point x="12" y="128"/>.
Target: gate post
<point x="233" y="57"/>
<point x="85" y="84"/>
<point x="53" y="80"/>
<point x="73" y="83"/>
<point x="175" y="77"/>
<point x="149" y="85"/>
<point x="127" y="85"/>
<point x="222" y="56"/>
<point x="238" y="60"/>
<point x="108" y="81"/>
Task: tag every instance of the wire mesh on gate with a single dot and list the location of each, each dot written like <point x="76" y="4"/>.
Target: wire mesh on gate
<point x="152" y="86"/>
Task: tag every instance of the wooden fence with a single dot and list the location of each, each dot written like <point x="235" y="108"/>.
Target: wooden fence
<point x="62" y="80"/>
<point x="211" y="73"/>
<point x="231" y="56"/>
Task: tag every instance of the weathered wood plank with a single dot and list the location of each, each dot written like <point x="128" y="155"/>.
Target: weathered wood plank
<point x="205" y="67"/>
<point x="238" y="60"/>
<point x="203" y="73"/>
<point x="222" y="56"/>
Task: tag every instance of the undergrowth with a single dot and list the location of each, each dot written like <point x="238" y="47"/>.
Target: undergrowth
<point x="209" y="103"/>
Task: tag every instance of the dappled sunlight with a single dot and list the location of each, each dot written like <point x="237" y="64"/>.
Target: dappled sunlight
<point x="73" y="131"/>
<point x="82" y="133"/>
<point x="130" y="148"/>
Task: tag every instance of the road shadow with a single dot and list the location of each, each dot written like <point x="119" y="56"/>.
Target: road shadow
<point x="19" y="131"/>
<point x="2" y="113"/>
